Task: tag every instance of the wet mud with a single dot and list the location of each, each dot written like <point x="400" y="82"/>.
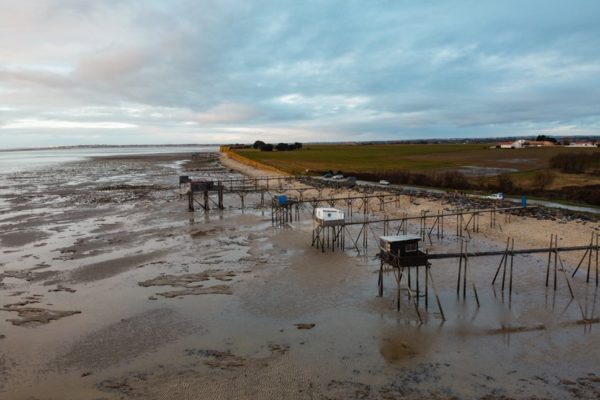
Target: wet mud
<point x="111" y="289"/>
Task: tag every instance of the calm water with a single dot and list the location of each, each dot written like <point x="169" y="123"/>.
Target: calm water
<point x="15" y="161"/>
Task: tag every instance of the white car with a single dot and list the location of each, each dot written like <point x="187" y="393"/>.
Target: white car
<point x="383" y="182"/>
<point x="338" y="176"/>
<point x="495" y="196"/>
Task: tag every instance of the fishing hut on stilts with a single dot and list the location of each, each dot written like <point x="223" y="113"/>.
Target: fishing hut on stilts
<point x="198" y="193"/>
<point x="410" y="264"/>
<point x="328" y="231"/>
<point x="284" y="210"/>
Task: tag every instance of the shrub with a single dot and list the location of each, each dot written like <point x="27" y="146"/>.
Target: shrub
<point x="543" y="179"/>
<point x="505" y="183"/>
<point x="574" y="163"/>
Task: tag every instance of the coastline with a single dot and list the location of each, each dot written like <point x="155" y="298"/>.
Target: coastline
<point x="527" y="231"/>
<point x="112" y="289"/>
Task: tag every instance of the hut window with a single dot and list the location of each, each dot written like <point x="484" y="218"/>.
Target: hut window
<point x="411" y="247"/>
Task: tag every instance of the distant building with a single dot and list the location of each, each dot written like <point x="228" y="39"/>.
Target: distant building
<point x="536" y="143"/>
<point x="517" y="144"/>
<point x="582" y="144"/>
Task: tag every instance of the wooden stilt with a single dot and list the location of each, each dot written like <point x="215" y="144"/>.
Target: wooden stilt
<point x="190" y="201"/>
<point x="460" y="260"/>
<point x="465" y="274"/>
<point x="380" y="282"/>
<point x="512" y="256"/>
<point x="555" y="259"/>
<point x="437" y="298"/>
<point x="549" y="259"/>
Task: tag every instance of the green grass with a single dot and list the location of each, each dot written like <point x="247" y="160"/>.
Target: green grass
<point x="412" y="157"/>
<point x="361" y="158"/>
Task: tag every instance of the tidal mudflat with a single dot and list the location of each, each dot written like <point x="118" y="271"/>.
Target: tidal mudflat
<point x="111" y="289"/>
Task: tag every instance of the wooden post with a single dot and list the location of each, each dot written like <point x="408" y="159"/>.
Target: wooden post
<point x="206" y="201"/>
<point x="512" y="256"/>
<point x="380" y="282"/>
<point x="501" y="261"/>
<point x="465" y="273"/>
<point x="398" y="277"/>
<point x="426" y="284"/>
<point x="437" y="298"/>
<point x="597" y="256"/>
<point x="549" y="259"/>
<point x="220" y="195"/>
<point x="504" y="268"/>
<point x="587" y="279"/>
<point x="460" y="260"/>
<point x="191" y="200"/>
<point x="555" y="259"/>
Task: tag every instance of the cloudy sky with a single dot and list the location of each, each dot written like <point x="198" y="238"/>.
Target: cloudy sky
<point x="215" y="71"/>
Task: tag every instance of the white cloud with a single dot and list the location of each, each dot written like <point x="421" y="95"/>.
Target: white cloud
<point x="225" y="113"/>
<point x="311" y="70"/>
<point x="57" y="124"/>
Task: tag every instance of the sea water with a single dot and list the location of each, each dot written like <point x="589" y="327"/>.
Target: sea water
<point x="12" y="161"/>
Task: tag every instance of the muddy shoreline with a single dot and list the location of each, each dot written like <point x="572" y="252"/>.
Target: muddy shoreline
<point x="119" y="292"/>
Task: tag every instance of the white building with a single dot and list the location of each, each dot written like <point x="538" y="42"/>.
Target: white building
<point x="329" y="216"/>
<point x="517" y="144"/>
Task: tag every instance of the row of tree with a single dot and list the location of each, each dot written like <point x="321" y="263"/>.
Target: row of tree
<point x="575" y="163"/>
<point x="262" y="146"/>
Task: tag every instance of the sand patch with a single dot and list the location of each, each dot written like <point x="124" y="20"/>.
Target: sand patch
<point x="22" y="238"/>
<point x="217" y="289"/>
<point x="188" y="280"/>
<point x="29" y="275"/>
<point x="190" y="283"/>
<point x="36" y="316"/>
<point x="109" y="268"/>
<point x="126" y="340"/>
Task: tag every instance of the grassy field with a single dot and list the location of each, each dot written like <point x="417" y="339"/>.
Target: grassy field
<point x="357" y="158"/>
<point x="412" y="157"/>
<point x="390" y="161"/>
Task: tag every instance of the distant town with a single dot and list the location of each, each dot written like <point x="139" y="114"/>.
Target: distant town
<point x="545" y="141"/>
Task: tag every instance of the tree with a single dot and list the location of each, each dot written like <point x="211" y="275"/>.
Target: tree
<point x="543" y="179"/>
<point x="505" y="183"/>
<point x="544" y="138"/>
<point x="282" y="147"/>
<point x="267" y="147"/>
<point x="258" y="144"/>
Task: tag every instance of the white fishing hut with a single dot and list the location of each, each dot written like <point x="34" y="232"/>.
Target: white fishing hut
<point x="329" y="216"/>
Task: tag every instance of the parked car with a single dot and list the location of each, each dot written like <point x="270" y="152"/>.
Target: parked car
<point x="383" y="182"/>
<point x="327" y="176"/>
<point x="338" y="176"/>
<point x="495" y="196"/>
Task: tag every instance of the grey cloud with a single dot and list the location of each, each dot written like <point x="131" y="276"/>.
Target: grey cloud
<point x="363" y="69"/>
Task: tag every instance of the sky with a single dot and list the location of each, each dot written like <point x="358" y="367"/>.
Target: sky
<point x="225" y="71"/>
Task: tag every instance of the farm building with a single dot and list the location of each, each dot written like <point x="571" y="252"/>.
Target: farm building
<point x="582" y="144"/>
<point x="517" y="144"/>
<point x="538" y="143"/>
<point x="520" y="144"/>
